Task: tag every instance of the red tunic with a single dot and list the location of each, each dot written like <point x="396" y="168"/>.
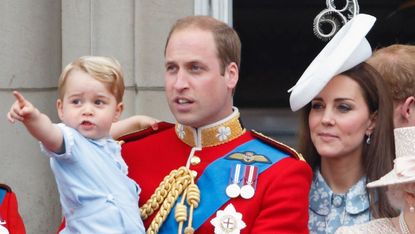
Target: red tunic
<point x="9" y="212"/>
<point x="280" y="203"/>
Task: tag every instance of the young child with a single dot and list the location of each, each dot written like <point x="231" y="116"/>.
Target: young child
<point x="95" y="193"/>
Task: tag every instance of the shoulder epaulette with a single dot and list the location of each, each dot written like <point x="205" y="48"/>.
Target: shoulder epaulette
<point x="145" y="132"/>
<point x="5" y="187"/>
<point x="281" y="146"/>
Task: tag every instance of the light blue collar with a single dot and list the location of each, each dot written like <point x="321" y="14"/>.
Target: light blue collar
<point x="322" y="197"/>
<point x="102" y="141"/>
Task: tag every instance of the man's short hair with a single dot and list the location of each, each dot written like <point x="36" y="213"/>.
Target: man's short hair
<point x="396" y="63"/>
<point x="227" y="41"/>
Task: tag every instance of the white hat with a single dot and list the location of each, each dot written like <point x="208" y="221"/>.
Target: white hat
<point x="404" y="164"/>
<point x="347" y="49"/>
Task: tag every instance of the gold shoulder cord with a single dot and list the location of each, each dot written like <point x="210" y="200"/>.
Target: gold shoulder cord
<point x="177" y="182"/>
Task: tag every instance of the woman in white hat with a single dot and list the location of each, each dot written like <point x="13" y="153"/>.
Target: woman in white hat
<point x="347" y="131"/>
<point x="401" y="190"/>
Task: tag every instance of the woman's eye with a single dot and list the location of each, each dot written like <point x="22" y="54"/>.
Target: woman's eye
<point x="316" y="105"/>
<point x="344" y="108"/>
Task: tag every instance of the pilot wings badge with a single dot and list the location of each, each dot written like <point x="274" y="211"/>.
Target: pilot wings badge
<point x="249" y="157"/>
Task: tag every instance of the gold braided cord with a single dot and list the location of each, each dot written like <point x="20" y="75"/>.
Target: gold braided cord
<point x="177" y="182"/>
<point x="168" y="203"/>
<point x="180" y="213"/>
<point x="160" y="193"/>
<point x="192" y="195"/>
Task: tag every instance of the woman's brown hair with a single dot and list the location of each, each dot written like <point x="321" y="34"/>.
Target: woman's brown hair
<point x="379" y="154"/>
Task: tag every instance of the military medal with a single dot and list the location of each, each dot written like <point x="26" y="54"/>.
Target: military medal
<point x="233" y="189"/>
<point x="228" y="221"/>
<point x="249" y="182"/>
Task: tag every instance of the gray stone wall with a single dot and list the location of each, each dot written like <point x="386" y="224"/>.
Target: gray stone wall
<point x="37" y="39"/>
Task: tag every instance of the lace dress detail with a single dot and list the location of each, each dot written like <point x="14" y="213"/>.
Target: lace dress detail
<point x="377" y="226"/>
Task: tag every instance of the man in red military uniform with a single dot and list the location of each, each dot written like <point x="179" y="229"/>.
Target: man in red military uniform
<point x="10" y="220"/>
<point x="207" y="173"/>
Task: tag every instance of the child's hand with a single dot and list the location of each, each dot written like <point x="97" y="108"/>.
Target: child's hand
<point x="145" y="121"/>
<point x="132" y="124"/>
<point x="21" y="109"/>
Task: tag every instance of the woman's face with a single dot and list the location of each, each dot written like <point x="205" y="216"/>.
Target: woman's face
<point x="339" y="119"/>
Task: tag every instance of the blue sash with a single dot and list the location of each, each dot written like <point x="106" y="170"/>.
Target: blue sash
<point x="214" y="180"/>
<point x="2" y="195"/>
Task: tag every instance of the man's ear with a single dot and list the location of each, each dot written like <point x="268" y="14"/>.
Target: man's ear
<point x="118" y="111"/>
<point x="231" y="75"/>
<point x="407" y="110"/>
<point x="59" y="107"/>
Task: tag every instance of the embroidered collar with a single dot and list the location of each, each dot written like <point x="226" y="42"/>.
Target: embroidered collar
<point x="214" y="134"/>
<point x="322" y="197"/>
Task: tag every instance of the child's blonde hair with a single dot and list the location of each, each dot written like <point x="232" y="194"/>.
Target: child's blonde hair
<point x="104" y="69"/>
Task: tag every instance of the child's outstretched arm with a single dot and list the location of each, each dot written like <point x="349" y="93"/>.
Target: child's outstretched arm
<point x="132" y="124"/>
<point x="37" y="123"/>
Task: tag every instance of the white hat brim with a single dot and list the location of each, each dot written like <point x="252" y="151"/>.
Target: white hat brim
<point x="348" y="48"/>
<point x="390" y="179"/>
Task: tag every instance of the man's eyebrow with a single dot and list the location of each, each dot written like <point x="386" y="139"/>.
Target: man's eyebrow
<point x="169" y="62"/>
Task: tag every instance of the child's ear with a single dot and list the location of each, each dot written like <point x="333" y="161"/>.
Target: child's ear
<point x="118" y="111"/>
<point x="59" y="107"/>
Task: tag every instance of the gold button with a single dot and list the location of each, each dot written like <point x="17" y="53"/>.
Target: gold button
<point x="195" y="160"/>
<point x="194" y="174"/>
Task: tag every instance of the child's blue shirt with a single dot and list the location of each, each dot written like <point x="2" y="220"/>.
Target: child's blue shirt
<point x="96" y="194"/>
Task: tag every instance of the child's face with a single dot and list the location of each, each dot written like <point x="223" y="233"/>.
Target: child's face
<point x="88" y="106"/>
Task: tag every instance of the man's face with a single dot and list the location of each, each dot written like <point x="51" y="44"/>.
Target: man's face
<point x="197" y="93"/>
